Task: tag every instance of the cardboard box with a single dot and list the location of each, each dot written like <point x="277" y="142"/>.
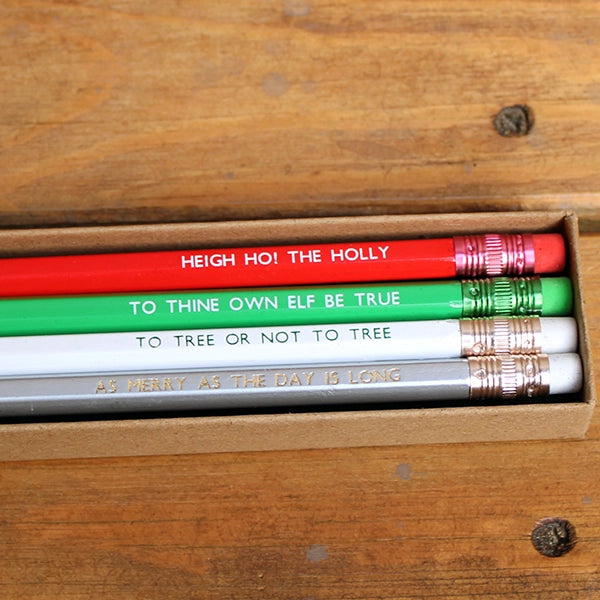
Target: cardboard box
<point x="310" y="429"/>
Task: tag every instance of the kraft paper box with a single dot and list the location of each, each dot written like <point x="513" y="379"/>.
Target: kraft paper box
<point x="183" y="434"/>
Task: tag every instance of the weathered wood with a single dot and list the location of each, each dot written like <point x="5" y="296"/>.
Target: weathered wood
<point x="130" y="111"/>
<point x="391" y="522"/>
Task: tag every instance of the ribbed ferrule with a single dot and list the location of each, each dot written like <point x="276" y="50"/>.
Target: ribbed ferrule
<point x="509" y="376"/>
<point x="502" y="296"/>
<point x="500" y="335"/>
<point x="494" y="255"/>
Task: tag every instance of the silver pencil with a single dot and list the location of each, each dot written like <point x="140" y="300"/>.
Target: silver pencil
<point x="485" y="378"/>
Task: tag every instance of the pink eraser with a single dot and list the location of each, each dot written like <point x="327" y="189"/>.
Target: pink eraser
<point x="550" y="252"/>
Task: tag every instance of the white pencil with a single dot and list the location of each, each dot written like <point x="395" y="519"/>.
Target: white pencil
<point x="265" y="346"/>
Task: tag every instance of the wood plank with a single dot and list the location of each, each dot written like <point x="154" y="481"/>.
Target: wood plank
<point x="172" y="110"/>
<point x="151" y="111"/>
<point x="438" y="521"/>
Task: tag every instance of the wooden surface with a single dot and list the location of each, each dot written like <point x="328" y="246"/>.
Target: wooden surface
<point x="436" y="521"/>
<point x="151" y="110"/>
<point x="170" y="110"/>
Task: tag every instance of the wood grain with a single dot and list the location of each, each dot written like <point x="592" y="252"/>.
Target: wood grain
<point x="172" y="110"/>
<point x="407" y="522"/>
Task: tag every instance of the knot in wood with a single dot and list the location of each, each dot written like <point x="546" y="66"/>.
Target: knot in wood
<point x="514" y="121"/>
<point x="553" y="536"/>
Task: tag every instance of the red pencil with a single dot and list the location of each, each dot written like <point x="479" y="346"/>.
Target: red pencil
<point x="460" y="256"/>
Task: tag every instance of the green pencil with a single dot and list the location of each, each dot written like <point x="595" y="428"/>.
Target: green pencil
<point x="406" y="301"/>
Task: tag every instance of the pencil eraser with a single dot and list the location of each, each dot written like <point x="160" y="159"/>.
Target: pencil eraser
<point x="566" y="373"/>
<point x="557" y="296"/>
<point x="559" y="335"/>
<point x="550" y="252"/>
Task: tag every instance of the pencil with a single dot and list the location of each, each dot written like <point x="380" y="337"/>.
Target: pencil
<point x="489" y="255"/>
<point x="406" y="301"/>
<point x="474" y="379"/>
<point x="289" y="345"/>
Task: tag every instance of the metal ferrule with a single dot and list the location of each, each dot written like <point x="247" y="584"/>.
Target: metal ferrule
<point x="502" y="296"/>
<point x="500" y="335"/>
<point x="494" y="254"/>
<point x="509" y="376"/>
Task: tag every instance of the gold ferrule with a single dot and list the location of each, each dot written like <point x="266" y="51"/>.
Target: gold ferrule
<point x="509" y="376"/>
<point x="501" y="335"/>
